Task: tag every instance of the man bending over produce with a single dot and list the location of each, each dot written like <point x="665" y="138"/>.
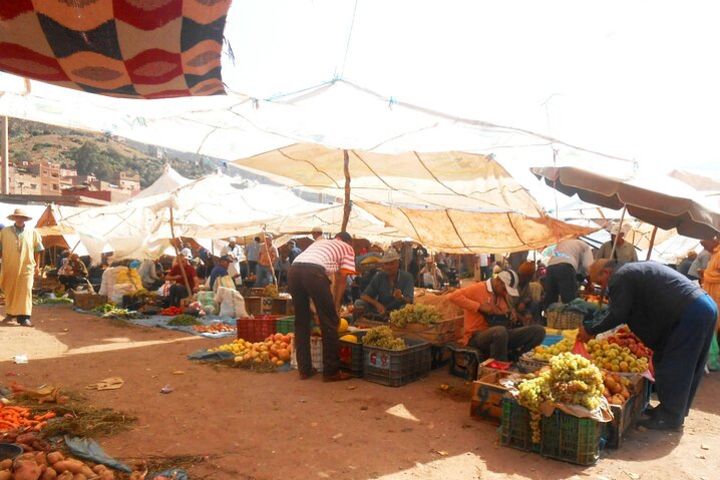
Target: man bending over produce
<point x="672" y="316"/>
<point x="309" y="279"/>
<point x="488" y="319"/>
<point x="390" y="289"/>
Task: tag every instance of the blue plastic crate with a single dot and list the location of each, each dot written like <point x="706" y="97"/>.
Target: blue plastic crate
<point x="551" y="340"/>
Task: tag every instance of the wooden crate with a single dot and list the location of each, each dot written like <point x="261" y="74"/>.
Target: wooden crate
<point x="88" y="301"/>
<point x="625" y="415"/>
<point x="487" y="395"/>
<point x="254" y="305"/>
<point x="281" y="306"/>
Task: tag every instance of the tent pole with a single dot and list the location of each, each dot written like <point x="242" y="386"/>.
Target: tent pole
<point x="178" y="255"/>
<point x="267" y="252"/>
<point x="347" y="206"/>
<point x="652" y="243"/>
<point x="622" y="218"/>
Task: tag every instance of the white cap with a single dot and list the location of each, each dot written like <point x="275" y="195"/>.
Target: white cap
<point x="510" y="279"/>
<point x="232" y="240"/>
<point x="186" y="252"/>
<point x="616" y="228"/>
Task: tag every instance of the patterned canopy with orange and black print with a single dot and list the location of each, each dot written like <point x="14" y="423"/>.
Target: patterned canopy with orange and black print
<point x="124" y="48"/>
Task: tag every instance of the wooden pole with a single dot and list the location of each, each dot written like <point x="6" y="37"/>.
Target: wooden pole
<point x="4" y="154"/>
<point x="178" y="255"/>
<point x="622" y="218"/>
<point x="267" y="252"/>
<point x="652" y="242"/>
<point x="347" y="206"/>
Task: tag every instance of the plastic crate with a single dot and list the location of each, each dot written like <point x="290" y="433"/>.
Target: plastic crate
<point x="571" y="439"/>
<point x="351" y="355"/>
<point x="515" y="427"/>
<point x="563" y="320"/>
<point x="286" y="325"/>
<point x="441" y="356"/>
<point x="551" y="340"/>
<point x="464" y="361"/>
<point x="256" y="329"/>
<point x="563" y="437"/>
<point x="316" y="354"/>
<point x="396" y="367"/>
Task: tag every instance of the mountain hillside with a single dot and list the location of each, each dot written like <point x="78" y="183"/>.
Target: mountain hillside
<point x="102" y="155"/>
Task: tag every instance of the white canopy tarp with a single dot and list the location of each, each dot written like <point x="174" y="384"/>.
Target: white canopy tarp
<point x="167" y="182"/>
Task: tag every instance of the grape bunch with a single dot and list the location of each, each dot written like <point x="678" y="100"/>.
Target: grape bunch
<point x="570" y="379"/>
<point x="424" y="314"/>
<point x="383" y="337"/>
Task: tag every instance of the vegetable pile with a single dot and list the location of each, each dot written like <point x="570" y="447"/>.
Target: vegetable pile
<point x="53" y="301"/>
<point x="183" y="321"/>
<point x="423" y="314"/>
<point x="383" y="337"/>
<point x="29" y="441"/>
<point x="51" y="466"/>
<point x="213" y="328"/>
<point x="171" y="311"/>
<point x="276" y="350"/>
<point x="616" y="388"/>
<point x="12" y="417"/>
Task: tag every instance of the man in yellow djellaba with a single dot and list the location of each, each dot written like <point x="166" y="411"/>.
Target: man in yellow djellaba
<point x="20" y="248"/>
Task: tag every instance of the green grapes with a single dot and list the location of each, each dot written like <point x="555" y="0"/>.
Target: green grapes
<point x="571" y="379"/>
<point x="383" y="337"/>
<point x="424" y="314"/>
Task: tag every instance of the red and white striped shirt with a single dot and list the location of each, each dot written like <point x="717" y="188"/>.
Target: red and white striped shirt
<point x="332" y="255"/>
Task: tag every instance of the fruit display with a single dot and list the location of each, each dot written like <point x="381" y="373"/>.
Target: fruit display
<point x="216" y="327"/>
<point x="570" y="379"/>
<point x="343" y="326"/>
<point x="616" y="388"/>
<point x="350" y="338"/>
<point x="625" y="338"/>
<point x="183" y="321"/>
<point x="383" y="337"/>
<point x="271" y="291"/>
<point x="423" y="314"/>
<point x="276" y="350"/>
<point x="544" y="353"/>
<point x="614" y="358"/>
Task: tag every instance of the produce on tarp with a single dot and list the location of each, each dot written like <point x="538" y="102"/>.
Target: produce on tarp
<point x="217" y="327"/>
<point x="183" y="321"/>
<point x="13" y="417"/>
<point x="171" y="311"/>
<point x="276" y="350"/>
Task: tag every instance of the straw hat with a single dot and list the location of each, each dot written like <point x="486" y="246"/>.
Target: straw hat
<point x="19" y="213"/>
<point x="391" y="255"/>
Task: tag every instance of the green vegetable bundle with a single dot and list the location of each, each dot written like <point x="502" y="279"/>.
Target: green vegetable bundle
<point x="424" y="314"/>
<point x="183" y="321"/>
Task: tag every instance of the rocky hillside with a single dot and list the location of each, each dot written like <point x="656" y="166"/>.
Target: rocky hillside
<point x="102" y="155"/>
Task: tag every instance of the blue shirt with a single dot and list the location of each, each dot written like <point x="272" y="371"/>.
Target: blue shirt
<point x="380" y="289"/>
<point x="252" y="251"/>
<point x="294" y="252"/>
<point x="217" y="272"/>
<point x="650" y="298"/>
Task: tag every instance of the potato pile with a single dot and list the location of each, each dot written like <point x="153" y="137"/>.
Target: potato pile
<point x="51" y="466"/>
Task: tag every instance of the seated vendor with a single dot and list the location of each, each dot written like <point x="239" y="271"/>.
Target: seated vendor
<point x="488" y="319"/>
<point x="73" y="273"/>
<point x="178" y="289"/>
<point x="220" y="276"/>
<point x="390" y="289"/>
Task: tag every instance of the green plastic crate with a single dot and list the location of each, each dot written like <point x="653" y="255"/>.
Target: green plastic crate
<point x="563" y="437"/>
<point x="286" y="325"/>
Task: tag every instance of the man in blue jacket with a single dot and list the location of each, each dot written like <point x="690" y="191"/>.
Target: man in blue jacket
<point x="671" y="315"/>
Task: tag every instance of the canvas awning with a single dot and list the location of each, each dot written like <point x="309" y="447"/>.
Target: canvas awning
<point x="659" y="200"/>
<point x="457" y="180"/>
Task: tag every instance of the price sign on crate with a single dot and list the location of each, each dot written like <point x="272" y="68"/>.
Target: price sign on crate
<point x="380" y="360"/>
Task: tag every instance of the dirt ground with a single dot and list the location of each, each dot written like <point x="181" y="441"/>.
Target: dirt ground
<point x="266" y="426"/>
